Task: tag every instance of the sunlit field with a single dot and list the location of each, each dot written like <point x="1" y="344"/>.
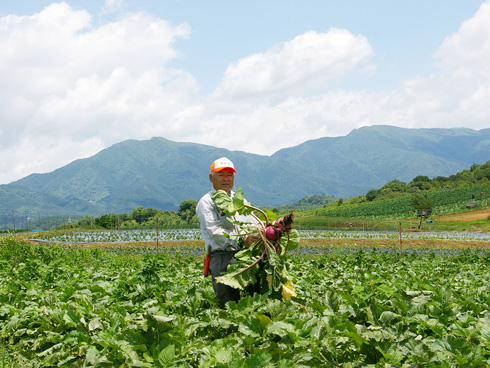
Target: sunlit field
<point x="362" y="301"/>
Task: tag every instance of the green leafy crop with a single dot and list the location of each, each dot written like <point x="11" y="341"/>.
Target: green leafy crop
<point x="70" y="306"/>
<point x="264" y="265"/>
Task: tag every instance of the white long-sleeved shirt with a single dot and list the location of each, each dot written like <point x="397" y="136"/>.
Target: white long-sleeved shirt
<point x="214" y="224"/>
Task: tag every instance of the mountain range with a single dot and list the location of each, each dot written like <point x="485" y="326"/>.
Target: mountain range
<point x="160" y="173"/>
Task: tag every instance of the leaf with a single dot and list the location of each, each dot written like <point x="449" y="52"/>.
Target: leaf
<point x="288" y="290"/>
<point x="230" y="206"/>
<point x="387" y="316"/>
<point x="258" y="360"/>
<point x="290" y="240"/>
<point x="95" y="324"/>
<point x="167" y="355"/>
<point x="357" y="289"/>
<point x="224" y="202"/>
<point x="271" y="216"/>
<point x="349" y="329"/>
<point x="134" y="337"/>
<point x="285" y="364"/>
<point x="483" y="327"/>
<point x="162" y="319"/>
<point x="281" y="329"/>
<point x="458" y="347"/>
<point x="241" y="278"/>
<point x="386" y="289"/>
<point x="243" y="271"/>
<point x="239" y="200"/>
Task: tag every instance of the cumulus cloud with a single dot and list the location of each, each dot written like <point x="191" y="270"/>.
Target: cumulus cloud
<point x="307" y="62"/>
<point x="466" y="52"/>
<point x="67" y="83"/>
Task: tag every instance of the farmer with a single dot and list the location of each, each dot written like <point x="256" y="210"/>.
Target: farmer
<point x="214" y="224"/>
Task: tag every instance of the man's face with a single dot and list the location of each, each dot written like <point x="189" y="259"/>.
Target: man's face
<point x="222" y="180"/>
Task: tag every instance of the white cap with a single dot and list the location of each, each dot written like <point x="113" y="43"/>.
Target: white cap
<point x="222" y="164"/>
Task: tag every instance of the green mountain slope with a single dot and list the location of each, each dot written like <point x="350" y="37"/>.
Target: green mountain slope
<point x="160" y="173"/>
<point x="369" y="157"/>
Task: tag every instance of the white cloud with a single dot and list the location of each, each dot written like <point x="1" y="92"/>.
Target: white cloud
<point x="309" y="61"/>
<point x="458" y="94"/>
<point x="465" y="54"/>
<point x="111" y="6"/>
<point x="69" y="86"/>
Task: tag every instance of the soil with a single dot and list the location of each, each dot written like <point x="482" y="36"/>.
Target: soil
<point x="395" y="243"/>
<point x="466" y="216"/>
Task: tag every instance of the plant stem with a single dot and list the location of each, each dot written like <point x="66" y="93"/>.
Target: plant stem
<point x="253" y="264"/>
<point x="287" y="244"/>
<point x="262" y="212"/>
<point x="257" y="218"/>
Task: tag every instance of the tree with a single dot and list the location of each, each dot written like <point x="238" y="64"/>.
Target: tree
<point x="141" y="214"/>
<point x="138" y="214"/>
<point x="110" y="221"/>
<point x="187" y="210"/>
<point x="371" y="195"/>
<point x="395" y="186"/>
<point x="422" y="182"/>
<point x="423" y="205"/>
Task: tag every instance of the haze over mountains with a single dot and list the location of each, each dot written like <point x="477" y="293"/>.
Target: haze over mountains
<point x="161" y="174"/>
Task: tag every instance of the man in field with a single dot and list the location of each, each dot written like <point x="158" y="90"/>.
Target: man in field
<point x="214" y="224"/>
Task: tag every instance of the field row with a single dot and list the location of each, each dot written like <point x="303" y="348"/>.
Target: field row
<point x="130" y="236"/>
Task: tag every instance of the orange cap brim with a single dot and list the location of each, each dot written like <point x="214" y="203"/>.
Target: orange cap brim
<point x="226" y="169"/>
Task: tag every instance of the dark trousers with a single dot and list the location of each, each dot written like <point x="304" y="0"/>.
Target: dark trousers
<point x="218" y="264"/>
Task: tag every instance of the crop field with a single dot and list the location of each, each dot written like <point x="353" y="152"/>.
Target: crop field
<point x="360" y="303"/>
<point x="138" y="236"/>
<point x="445" y="202"/>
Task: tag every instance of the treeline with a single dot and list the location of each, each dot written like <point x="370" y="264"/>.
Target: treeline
<point x="141" y="217"/>
<point x="307" y="203"/>
<point x="476" y="175"/>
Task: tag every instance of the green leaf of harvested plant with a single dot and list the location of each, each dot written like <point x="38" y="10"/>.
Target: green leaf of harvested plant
<point x="240" y="274"/>
<point x="290" y="241"/>
<point x="228" y="205"/>
<point x="224" y="202"/>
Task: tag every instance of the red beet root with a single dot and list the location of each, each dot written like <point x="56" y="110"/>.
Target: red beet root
<point x="270" y="233"/>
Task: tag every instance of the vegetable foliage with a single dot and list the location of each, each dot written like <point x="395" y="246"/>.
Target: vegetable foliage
<point x="264" y="265"/>
<point x="81" y="307"/>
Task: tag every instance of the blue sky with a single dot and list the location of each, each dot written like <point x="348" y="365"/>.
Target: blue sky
<point x="80" y="76"/>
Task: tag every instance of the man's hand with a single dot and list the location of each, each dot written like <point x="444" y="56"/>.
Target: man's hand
<point x="250" y="239"/>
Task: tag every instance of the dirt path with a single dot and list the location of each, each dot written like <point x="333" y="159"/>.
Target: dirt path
<point x="466" y="216"/>
<point x="394" y="243"/>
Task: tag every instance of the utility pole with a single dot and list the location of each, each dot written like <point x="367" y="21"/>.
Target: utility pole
<point x="401" y="246"/>
<point x="157" y="234"/>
